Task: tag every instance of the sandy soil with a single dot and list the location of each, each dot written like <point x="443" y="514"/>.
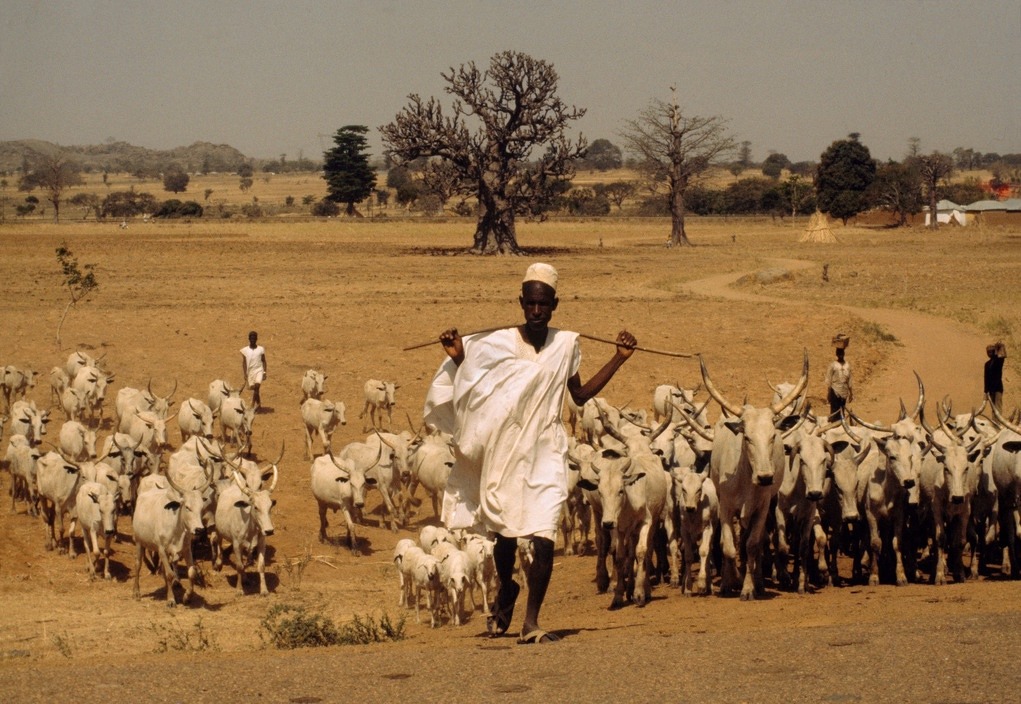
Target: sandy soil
<point x="176" y="303"/>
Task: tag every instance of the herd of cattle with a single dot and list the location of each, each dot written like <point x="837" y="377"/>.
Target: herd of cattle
<point x="665" y="496"/>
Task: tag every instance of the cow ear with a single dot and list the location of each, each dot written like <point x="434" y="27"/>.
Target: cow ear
<point x="587" y="485"/>
<point x="735" y="426"/>
<point x="241" y="504"/>
<point x="631" y="479"/>
<point x="342" y="480"/>
<point x="839" y="446"/>
<point x="172" y="505"/>
<point x="370" y="480"/>
<point x="92" y="495"/>
<point x="272" y="503"/>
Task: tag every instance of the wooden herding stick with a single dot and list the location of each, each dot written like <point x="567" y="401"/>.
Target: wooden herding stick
<point x="435" y="341"/>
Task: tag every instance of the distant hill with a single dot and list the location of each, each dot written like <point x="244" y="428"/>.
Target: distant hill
<point x="123" y="157"/>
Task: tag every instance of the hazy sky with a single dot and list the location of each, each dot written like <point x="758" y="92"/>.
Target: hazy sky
<point x="279" y="77"/>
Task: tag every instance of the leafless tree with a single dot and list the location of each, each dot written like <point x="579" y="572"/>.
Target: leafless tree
<point x="934" y="170"/>
<point x="675" y="150"/>
<point x="54" y="174"/>
<point x="499" y="119"/>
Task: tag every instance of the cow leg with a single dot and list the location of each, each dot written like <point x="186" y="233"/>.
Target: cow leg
<point x="323" y="522"/>
<point x="139" y="550"/>
<point x="106" y="558"/>
<point x="898" y="542"/>
<point x="729" y="576"/>
<point x="169" y="576"/>
<point x="191" y="572"/>
<point x="753" y="546"/>
<point x="308" y="444"/>
<point x="783" y="550"/>
<point x="643" y="563"/>
<point x="875" y="549"/>
<point x="90" y="547"/>
<point x="260" y="565"/>
<point x="703" y="585"/>
<point x="602" y="550"/>
<point x="939" y="570"/>
<point x="352" y="538"/>
<point x="49" y="517"/>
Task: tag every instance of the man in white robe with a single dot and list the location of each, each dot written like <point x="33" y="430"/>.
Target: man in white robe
<point x="501" y="395"/>
<point x="253" y="366"/>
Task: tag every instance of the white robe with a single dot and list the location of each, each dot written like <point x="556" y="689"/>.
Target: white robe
<point x="503" y="406"/>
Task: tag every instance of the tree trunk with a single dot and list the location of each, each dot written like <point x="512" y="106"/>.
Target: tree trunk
<point x="495" y="232"/>
<point x="678" y="237"/>
<point x="933" y="219"/>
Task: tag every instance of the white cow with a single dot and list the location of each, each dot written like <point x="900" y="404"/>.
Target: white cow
<point x="322" y="417"/>
<point x="243" y="520"/>
<point x="21" y="459"/>
<point x="699" y="510"/>
<point x="633" y="486"/>
<point x="419" y="573"/>
<point x="97" y="516"/>
<point x="165" y="521"/>
<point x="149" y="432"/>
<point x="338" y="484"/>
<point x="456" y="577"/>
<point x="74" y="402"/>
<point x="375" y="461"/>
<point x="236" y="418"/>
<point x="483" y="566"/>
<point x="887" y="487"/>
<point x="77" y="360"/>
<point x="77" y="442"/>
<point x="58" y="481"/>
<point x="313" y="385"/>
<point x="747" y="466"/>
<point x="130" y="402"/>
<point x="379" y="398"/>
<point x="576" y="519"/>
<point x="220" y="389"/>
<point x="59" y="380"/>
<point x="429" y="464"/>
<point x="93" y="381"/>
<point x="29" y="421"/>
<point x="195" y="418"/>
<point x="15" y="383"/>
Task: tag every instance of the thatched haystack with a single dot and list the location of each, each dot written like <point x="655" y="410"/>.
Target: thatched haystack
<point x="818" y="229"/>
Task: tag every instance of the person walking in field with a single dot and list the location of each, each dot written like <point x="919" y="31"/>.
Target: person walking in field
<point x="501" y="395"/>
<point x="253" y="366"/>
<point x="993" y="386"/>
<point x="838" y="380"/>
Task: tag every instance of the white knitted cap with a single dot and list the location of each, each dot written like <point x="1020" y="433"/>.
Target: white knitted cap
<point x="542" y="272"/>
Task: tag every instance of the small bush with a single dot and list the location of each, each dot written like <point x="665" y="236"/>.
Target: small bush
<point x="326" y="209"/>
<point x="287" y="626"/>
<point x="172" y="637"/>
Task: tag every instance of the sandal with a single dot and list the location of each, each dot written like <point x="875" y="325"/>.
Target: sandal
<point x="503" y="611"/>
<point x="538" y="636"/>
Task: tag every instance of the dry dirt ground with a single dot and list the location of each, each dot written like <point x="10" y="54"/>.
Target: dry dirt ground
<point x="176" y="302"/>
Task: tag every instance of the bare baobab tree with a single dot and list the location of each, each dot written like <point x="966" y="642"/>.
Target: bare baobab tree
<point x="505" y="134"/>
<point x="675" y="149"/>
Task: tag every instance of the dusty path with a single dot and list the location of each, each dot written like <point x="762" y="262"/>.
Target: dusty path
<point x="937" y="348"/>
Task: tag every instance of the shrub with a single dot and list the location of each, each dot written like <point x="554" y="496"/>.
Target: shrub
<point x="326" y="209"/>
<point x="287" y="626"/>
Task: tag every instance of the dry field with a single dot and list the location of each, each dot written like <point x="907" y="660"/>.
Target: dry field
<point x="176" y="301"/>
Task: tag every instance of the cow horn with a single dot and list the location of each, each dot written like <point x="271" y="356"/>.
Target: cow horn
<point x="1003" y="421"/>
<point x="379" y="456"/>
<point x="770" y="385"/>
<point x="932" y="435"/>
<point x="382" y="439"/>
<point x="329" y="451"/>
<point x="276" y="475"/>
<point x="711" y="389"/>
<point x="796" y="391"/>
<point x="148" y="387"/>
<point x="173" y="390"/>
<point x="240" y="481"/>
<point x="870" y="426"/>
<point x="693" y="424"/>
<point x="921" y="396"/>
<point x="659" y="431"/>
<point x="608" y="427"/>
